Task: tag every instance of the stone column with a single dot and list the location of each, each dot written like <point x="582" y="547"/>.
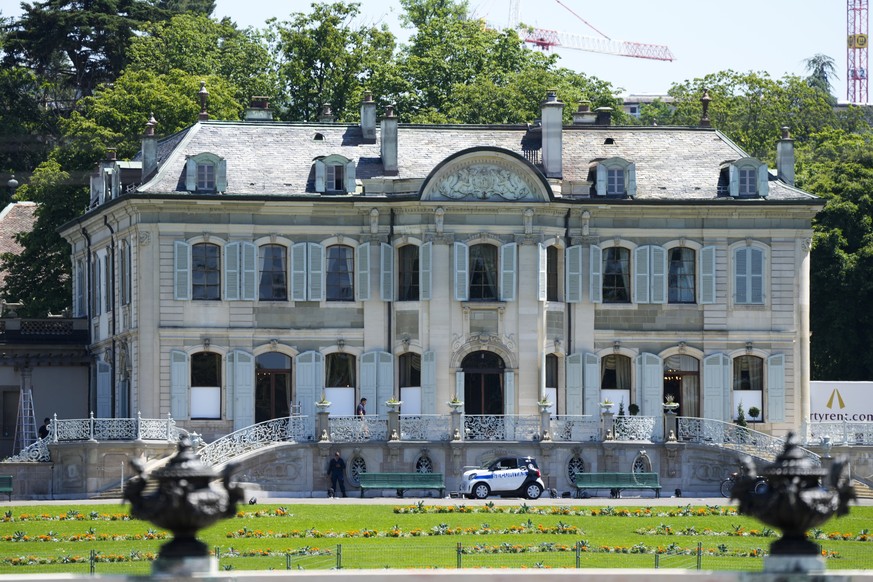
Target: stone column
<point x="393" y="424"/>
<point x="607" y="420"/>
<point x="322" y="425"/>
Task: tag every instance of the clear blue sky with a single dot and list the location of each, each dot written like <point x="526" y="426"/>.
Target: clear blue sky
<point x="705" y="36"/>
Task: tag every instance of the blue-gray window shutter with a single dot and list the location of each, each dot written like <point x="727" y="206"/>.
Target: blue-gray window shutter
<point x="630" y="179"/>
<point x="508" y="391"/>
<point x="600" y="184"/>
<point x="462" y="260"/>
<point x="315" y="278"/>
<point x="763" y="181"/>
<point x="508" y="267"/>
<point x="370" y="380"/>
<point x="542" y="272"/>
<point x="651" y="381"/>
<point x="386" y="272"/>
<point x="231" y="271"/>
<point x="310" y="381"/>
<point x="716" y="387"/>
<point x="428" y="382"/>
<point x="179" y="394"/>
<point x="733" y="181"/>
<point x="191" y="175"/>
<point x="707" y="275"/>
<point x="298" y="272"/>
<point x="574" y="384"/>
<point x="319" y="176"/>
<point x="104" y="390"/>
<point x="248" y="271"/>
<point x="221" y="176"/>
<point x="573" y="276"/>
<point x="641" y="275"/>
<point x="350" y="185"/>
<point x="362" y="264"/>
<point x="592" y="383"/>
<point x="384" y="379"/>
<point x="425" y="281"/>
<point x="243" y="390"/>
<point x="595" y="293"/>
<point x="181" y="270"/>
<point x="658" y="278"/>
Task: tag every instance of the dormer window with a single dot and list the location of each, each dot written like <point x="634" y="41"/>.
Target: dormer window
<point x="335" y="174"/>
<point x="614" y="177"/>
<point x="747" y="178"/>
<point x="206" y="172"/>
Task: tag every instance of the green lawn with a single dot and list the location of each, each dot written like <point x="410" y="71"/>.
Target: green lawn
<point x="35" y="539"/>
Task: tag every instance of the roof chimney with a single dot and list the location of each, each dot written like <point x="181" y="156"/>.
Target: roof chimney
<point x="583" y="115"/>
<point x="326" y="114"/>
<point x="149" y="148"/>
<point x="388" y="147"/>
<point x="204" y="101"/>
<point x="604" y="116"/>
<point x="259" y="110"/>
<point x="552" y="133"/>
<point x="785" y="158"/>
<point x="704" y="118"/>
<point x="368" y="118"/>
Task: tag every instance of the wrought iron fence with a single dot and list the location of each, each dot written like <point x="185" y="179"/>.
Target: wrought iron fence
<point x="634" y="428"/>
<point x="841" y="433"/>
<point x="358" y="429"/>
<point x="499" y="427"/>
<point x="113" y="429"/>
<point x="425" y="427"/>
<point x="287" y="429"/>
<point x="568" y="427"/>
<point x="731" y="436"/>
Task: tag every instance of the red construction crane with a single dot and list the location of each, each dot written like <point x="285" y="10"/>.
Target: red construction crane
<point x="857" y="23"/>
<point x="546" y="39"/>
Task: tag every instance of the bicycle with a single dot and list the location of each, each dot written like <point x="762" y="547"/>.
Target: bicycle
<point x="727" y="485"/>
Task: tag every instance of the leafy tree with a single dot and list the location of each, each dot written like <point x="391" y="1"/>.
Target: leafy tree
<point x="838" y="166"/>
<point x="198" y="45"/>
<point x="22" y="124"/>
<point x="656" y="113"/>
<point x="822" y="69"/>
<point x="323" y="57"/>
<point x="84" y="42"/>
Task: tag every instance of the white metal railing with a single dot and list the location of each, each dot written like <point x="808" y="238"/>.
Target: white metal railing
<point x="425" y="427"/>
<point x="114" y="429"/>
<point x="498" y="427"/>
<point x="357" y="429"/>
<point x="250" y="438"/>
<point x="634" y="428"/>
<point x="841" y="433"/>
<point x="568" y="427"/>
<point x="36" y="452"/>
<point x="731" y="436"/>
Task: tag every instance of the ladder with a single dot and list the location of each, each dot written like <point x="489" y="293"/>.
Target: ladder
<point x="25" y="427"/>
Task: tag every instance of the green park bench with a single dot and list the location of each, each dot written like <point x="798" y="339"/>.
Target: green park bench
<point x="6" y="485"/>
<point x="401" y="481"/>
<point x="616" y="482"/>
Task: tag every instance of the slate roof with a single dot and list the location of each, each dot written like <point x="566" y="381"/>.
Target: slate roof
<point x="16" y="217"/>
<point x="276" y="158"/>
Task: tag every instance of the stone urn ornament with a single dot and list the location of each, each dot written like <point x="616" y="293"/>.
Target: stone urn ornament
<point x="183" y="496"/>
<point x="800" y="495"/>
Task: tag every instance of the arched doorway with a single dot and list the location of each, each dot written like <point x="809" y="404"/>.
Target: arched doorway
<point x="483" y="383"/>
<point x="272" y="386"/>
<point x="682" y="382"/>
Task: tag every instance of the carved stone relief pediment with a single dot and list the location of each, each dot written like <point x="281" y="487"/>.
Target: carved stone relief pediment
<point x="484" y="180"/>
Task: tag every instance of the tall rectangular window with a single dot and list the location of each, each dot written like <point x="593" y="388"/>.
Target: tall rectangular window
<point x="335" y="178"/>
<point x="125" y="279"/>
<point x="552" y="273"/>
<point x="205" y="272"/>
<point x="107" y="282"/>
<point x="681" y="276"/>
<point x="483" y="273"/>
<point x="339" y="281"/>
<point x="748" y="181"/>
<point x="614" y="182"/>
<point x="273" y="285"/>
<point x="616" y="275"/>
<point x="408" y="275"/>
<point x="749" y="275"/>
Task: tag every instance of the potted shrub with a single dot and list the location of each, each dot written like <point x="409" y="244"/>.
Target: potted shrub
<point x="633" y="408"/>
<point x="754" y="413"/>
<point x="393" y="404"/>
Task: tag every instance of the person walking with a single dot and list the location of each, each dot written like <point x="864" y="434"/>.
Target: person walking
<point x="361" y="410"/>
<point x="336" y="470"/>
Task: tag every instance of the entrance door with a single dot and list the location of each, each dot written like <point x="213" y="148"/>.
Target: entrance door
<point x="483" y="383"/>
<point x="272" y="387"/>
<point x="682" y="382"/>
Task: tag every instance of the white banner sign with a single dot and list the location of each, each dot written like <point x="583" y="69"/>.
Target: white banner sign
<point x="838" y="401"/>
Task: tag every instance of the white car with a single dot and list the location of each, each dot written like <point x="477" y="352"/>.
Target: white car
<point x="506" y="476"/>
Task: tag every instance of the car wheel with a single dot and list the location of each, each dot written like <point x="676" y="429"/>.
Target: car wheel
<point x="761" y="487"/>
<point x="533" y="491"/>
<point x="481" y="490"/>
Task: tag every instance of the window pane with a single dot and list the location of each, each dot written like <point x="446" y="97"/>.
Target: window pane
<point x="339" y="370"/>
<point x="483" y="273"/>
<point x="340" y="273"/>
<point x="273" y="283"/>
<point x="748" y="373"/>
<point x="551" y="370"/>
<point x="615" y="181"/>
<point x="410" y="370"/>
<point x="616" y="275"/>
<point x="681" y="276"/>
<point x="205" y="272"/>
<point x="205" y="369"/>
<point x="748" y="181"/>
<point x="552" y="275"/>
<point x="205" y="177"/>
<point x="407" y="275"/>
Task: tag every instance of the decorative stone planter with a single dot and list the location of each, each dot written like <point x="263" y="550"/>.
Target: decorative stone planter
<point x="393" y="405"/>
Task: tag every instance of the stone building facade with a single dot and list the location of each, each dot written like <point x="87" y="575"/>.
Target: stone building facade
<point x="237" y="272"/>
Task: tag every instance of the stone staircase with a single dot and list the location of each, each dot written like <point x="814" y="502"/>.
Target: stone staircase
<point x="862" y="490"/>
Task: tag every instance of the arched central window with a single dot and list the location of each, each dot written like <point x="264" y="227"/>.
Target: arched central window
<point x="273" y="285"/>
<point x="408" y="273"/>
<point x="339" y="370"/>
<point x="272" y="386"/>
<point x="680" y="284"/>
<point x="483" y="273"/>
